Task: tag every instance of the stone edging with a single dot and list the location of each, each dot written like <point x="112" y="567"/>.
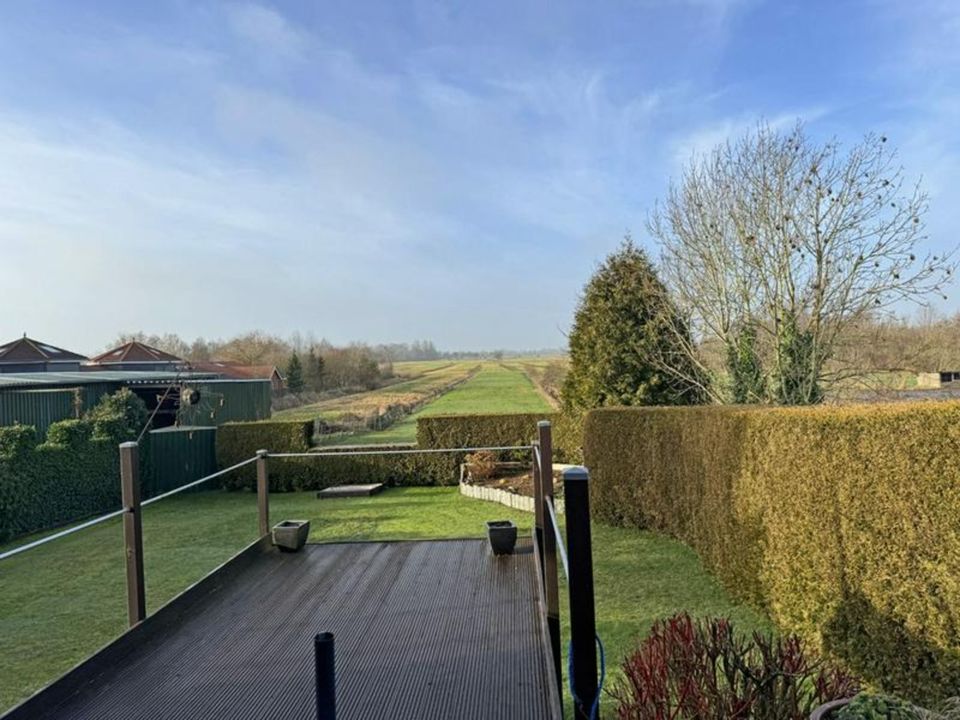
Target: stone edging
<point x="511" y="500"/>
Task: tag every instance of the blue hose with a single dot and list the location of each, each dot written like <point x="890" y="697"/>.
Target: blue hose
<point x="595" y="707"/>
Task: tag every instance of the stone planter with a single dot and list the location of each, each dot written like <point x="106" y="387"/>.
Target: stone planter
<point x="503" y="536"/>
<point x="829" y="710"/>
<point x="291" y="535"/>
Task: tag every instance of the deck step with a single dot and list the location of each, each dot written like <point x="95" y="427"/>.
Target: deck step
<point x="340" y="491"/>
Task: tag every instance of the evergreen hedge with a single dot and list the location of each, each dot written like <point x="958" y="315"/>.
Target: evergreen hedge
<point x="843" y="523"/>
<point x="239" y="441"/>
<point x="499" y="430"/>
<point x="67" y="478"/>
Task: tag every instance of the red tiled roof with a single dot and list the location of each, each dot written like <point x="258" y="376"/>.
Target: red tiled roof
<point x="28" y="350"/>
<point x="134" y="352"/>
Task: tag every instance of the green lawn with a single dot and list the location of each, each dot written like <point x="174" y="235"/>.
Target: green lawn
<point x="64" y="600"/>
<point x="495" y="389"/>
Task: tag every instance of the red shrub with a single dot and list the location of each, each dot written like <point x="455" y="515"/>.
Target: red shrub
<point x="687" y="670"/>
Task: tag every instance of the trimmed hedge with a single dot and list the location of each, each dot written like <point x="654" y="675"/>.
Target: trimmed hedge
<point x="399" y="469"/>
<point x="843" y="523"/>
<point x="56" y="482"/>
<point x="508" y="429"/>
<point x="239" y="441"/>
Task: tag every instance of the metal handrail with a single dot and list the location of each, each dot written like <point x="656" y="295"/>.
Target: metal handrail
<point x="197" y="482"/>
<point x="62" y="533"/>
<point x="116" y="513"/>
<point x="426" y="451"/>
<point x="561" y="545"/>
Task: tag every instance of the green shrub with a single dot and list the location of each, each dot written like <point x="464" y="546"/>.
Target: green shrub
<point x="867" y="706"/>
<point x="840" y="522"/>
<point x="118" y="417"/>
<point x="69" y="433"/>
<point x="16" y="440"/>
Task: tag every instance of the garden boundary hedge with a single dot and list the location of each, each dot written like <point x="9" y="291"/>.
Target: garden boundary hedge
<point x="506" y="429"/>
<point x="76" y="472"/>
<point x="69" y="477"/>
<point x="239" y="441"/>
<point x="843" y="523"/>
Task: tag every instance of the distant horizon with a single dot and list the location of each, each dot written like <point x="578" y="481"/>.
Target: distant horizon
<point x="406" y="168"/>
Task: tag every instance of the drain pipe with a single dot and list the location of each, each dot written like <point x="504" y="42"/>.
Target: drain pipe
<point x="326" y="676"/>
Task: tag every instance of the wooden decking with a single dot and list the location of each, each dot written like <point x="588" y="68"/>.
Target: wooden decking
<point x="438" y="629"/>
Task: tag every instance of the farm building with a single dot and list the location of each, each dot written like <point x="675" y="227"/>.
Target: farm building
<point x="239" y="371"/>
<point x="26" y="355"/>
<point x="935" y="380"/>
<point x="43" y="398"/>
<point x="135" y="356"/>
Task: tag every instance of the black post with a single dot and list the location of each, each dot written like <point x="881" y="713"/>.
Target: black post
<point x="583" y="631"/>
<point x="551" y="586"/>
<point x="326" y="676"/>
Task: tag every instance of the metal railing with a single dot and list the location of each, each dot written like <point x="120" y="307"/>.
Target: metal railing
<point x="132" y="523"/>
<point x="576" y="559"/>
<point x="575" y="552"/>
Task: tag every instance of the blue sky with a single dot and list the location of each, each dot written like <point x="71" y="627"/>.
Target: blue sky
<point x="394" y="170"/>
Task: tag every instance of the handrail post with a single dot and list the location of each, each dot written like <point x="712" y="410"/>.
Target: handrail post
<point x="551" y="584"/>
<point x="132" y="531"/>
<point x="263" y="493"/>
<point x="583" y="631"/>
<point x="537" y="506"/>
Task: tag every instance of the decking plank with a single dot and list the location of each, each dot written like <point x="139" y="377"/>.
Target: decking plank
<point x="431" y="629"/>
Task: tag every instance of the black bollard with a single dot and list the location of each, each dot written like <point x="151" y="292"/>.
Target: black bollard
<point x="583" y="631"/>
<point x="326" y="676"/>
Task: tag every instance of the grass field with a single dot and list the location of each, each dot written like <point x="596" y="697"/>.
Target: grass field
<point x="497" y="388"/>
<point x="61" y="602"/>
<point x="413" y="368"/>
<point x="431" y="380"/>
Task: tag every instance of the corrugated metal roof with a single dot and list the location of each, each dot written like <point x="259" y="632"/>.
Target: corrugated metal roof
<point x="72" y="379"/>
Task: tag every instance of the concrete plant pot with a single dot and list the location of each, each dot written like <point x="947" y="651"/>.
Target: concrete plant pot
<point x="503" y="536"/>
<point x="291" y="535"/>
<point x="829" y="710"/>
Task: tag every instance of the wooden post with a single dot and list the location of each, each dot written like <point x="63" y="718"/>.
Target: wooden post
<point x="551" y="586"/>
<point x="132" y="531"/>
<point x="583" y="631"/>
<point x="263" y="493"/>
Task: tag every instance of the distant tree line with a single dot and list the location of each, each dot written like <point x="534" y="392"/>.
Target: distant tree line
<point x="310" y="365"/>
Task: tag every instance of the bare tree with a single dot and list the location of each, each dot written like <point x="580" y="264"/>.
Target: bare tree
<point x="774" y="246"/>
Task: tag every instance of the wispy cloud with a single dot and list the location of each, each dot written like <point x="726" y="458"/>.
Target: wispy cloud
<point x="267" y="29"/>
<point x="391" y="170"/>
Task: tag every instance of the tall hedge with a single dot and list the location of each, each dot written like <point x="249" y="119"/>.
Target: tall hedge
<point x="65" y="479"/>
<point x="843" y="523"/>
<point x="239" y="441"/>
<point x="453" y="431"/>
